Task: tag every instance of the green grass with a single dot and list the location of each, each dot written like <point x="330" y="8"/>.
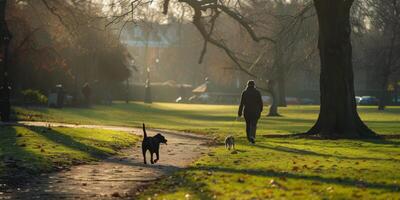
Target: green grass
<point x="279" y="168"/>
<point x="290" y="169"/>
<point x="215" y="119"/>
<point x="28" y="151"/>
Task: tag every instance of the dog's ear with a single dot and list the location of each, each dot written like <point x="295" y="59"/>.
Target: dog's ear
<point x="160" y="138"/>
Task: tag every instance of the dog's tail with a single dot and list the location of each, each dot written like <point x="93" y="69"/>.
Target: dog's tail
<point x="144" y="131"/>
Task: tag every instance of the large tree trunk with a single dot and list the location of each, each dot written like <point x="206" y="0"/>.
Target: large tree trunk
<point x="338" y="117"/>
<point x="279" y="85"/>
<point x="273" y="109"/>
<point x="5" y="38"/>
<point x="383" y="96"/>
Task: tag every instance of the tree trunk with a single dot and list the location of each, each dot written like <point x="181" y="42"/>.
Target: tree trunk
<point x="383" y="97"/>
<point x="5" y="38"/>
<point x="273" y="109"/>
<point x="338" y="117"/>
<point x="279" y="86"/>
<point x="384" y="94"/>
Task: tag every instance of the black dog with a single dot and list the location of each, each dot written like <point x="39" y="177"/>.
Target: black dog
<point x="152" y="144"/>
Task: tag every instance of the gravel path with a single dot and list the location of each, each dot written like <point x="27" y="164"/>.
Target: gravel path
<point x="116" y="177"/>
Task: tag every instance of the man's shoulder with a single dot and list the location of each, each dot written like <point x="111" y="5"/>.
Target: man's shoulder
<point x="254" y="90"/>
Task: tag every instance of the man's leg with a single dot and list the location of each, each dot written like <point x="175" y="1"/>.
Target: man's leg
<point x="254" y="129"/>
<point x="248" y="129"/>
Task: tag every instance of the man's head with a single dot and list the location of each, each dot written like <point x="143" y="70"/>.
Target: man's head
<point x="251" y="83"/>
<point x="160" y="138"/>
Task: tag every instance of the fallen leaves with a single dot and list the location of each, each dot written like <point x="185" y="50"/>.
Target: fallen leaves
<point x="295" y="168"/>
<point x="274" y="183"/>
<point x="306" y="167"/>
<point x="330" y="189"/>
<point x="240" y="180"/>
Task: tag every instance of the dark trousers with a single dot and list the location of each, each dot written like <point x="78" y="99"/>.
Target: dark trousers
<point x="251" y="128"/>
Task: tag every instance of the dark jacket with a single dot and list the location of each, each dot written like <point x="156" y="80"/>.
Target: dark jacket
<point x="252" y="103"/>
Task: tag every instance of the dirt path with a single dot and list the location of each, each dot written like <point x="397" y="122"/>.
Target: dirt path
<point x="116" y="177"/>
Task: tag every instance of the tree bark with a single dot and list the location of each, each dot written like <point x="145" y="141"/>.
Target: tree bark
<point x="383" y="97"/>
<point x="387" y="71"/>
<point x="338" y="117"/>
<point x="273" y="109"/>
<point x="5" y="38"/>
<point x="279" y="88"/>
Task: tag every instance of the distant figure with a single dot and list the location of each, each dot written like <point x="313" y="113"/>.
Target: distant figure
<point x="87" y="92"/>
<point x="253" y="106"/>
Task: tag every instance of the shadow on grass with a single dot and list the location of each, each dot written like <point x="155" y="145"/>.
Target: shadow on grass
<point x="275" y="174"/>
<point x="195" y="189"/>
<point x="97" y="113"/>
<point x="46" y="188"/>
<point x="312" y="153"/>
<point x="369" y="109"/>
<point x="392" y="139"/>
<point x="16" y="162"/>
<point x="385" y="141"/>
<point x="68" y="141"/>
<point x="290" y="120"/>
<point x="93" y="113"/>
<point x="24" y="173"/>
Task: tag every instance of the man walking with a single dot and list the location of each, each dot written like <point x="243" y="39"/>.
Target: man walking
<point x="253" y="106"/>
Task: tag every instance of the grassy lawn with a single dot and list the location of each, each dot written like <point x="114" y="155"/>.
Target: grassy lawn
<point x="290" y="169"/>
<point x="26" y="151"/>
<point x="215" y="119"/>
<point x="279" y="168"/>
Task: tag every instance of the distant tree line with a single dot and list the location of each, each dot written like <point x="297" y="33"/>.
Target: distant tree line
<point x="55" y="42"/>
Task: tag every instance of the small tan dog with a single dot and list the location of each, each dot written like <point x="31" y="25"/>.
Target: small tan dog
<point x="230" y="142"/>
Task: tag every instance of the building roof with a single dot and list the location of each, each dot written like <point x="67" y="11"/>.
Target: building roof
<point x="151" y="35"/>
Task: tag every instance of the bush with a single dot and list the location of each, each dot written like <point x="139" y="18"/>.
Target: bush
<point x="33" y="97"/>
